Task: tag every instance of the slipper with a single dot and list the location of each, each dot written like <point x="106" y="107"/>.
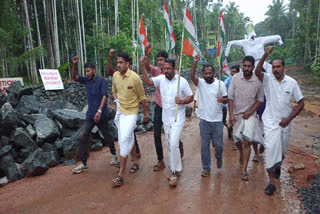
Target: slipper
<point x="244" y="176"/>
<point x="255" y="158"/>
<point x="159" y="166"/>
<point x="134" y="168"/>
<point x="173" y="181"/>
<point x="117" y="182"/>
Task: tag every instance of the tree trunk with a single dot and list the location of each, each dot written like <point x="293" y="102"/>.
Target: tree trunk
<point x="83" y="34"/>
<point x="55" y="33"/>
<point x="34" y="74"/>
<point x="38" y="33"/>
<point x="46" y="10"/>
<point x="80" y="49"/>
<point x="116" y="14"/>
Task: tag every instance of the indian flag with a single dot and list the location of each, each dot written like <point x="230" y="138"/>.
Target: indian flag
<point x="171" y="36"/>
<point x="142" y="37"/>
<point x="190" y="43"/>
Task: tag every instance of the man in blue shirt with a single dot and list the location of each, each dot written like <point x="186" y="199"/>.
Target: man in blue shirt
<point x="234" y="69"/>
<point x="97" y="114"/>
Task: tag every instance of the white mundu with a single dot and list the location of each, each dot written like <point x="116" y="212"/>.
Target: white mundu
<point x="211" y="110"/>
<point x="255" y="47"/>
<point x="278" y="106"/>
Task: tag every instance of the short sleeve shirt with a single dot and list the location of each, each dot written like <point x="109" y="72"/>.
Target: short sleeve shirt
<point x="279" y="95"/>
<point x="129" y="89"/>
<point x="96" y="89"/>
<point x="245" y="93"/>
<point x="211" y="110"/>
<point x="168" y="91"/>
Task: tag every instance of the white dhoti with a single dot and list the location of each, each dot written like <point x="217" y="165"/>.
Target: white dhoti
<point x="276" y="140"/>
<point x="244" y="129"/>
<point x="126" y="123"/>
<point x="173" y="134"/>
<point x="259" y="133"/>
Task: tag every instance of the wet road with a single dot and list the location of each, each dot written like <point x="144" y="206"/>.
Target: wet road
<point x="59" y="191"/>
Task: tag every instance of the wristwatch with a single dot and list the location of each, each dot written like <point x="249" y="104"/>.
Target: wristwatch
<point x="99" y="111"/>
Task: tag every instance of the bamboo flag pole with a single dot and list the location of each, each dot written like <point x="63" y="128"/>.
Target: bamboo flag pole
<point x="180" y="63"/>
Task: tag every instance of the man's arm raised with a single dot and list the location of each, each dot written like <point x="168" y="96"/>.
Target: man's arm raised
<point x="147" y="63"/>
<point x="146" y="78"/>
<point x="193" y="76"/>
<point x="258" y="70"/>
<point x="109" y="66"/>
<point x="74" y="75"/>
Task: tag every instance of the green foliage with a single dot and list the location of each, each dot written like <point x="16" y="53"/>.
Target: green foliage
<point x="63" y="70"/>
<point x="315" y="69"/>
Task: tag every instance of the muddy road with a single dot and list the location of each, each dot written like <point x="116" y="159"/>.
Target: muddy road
<point x="59" y="191"/>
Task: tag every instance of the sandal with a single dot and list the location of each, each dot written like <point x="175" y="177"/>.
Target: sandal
<point x="255" y="158"/>
<point x="117" y="182"/>
<point x="134" y="168"/>
<point x="173" y="181"/>
<point x="159" y="166"/>
<point x="244" y="176"/>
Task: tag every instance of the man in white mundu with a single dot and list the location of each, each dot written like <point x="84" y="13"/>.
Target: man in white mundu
<point x="279" y="89"/>
<point x="168" y="84"/>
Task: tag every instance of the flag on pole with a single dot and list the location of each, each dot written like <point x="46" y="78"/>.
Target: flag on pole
<point x="221" y="44"/>
<point x="171" y="36"/>
<point x="190" y="43"/>
<point x="142" y="37"/>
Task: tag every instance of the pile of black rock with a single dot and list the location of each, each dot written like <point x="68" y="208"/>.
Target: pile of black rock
<point x="310" y="196"/>
<point x="39" y="129"/>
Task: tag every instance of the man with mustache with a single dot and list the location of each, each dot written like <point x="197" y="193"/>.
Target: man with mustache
<point x="127" y="91"/>
<point x="168" y="84"/>
<point x="211" y="125"/>
<point x="279" y="89"/>
<point x="245" y="96"/>
<point x="97" y="114"/>
<point x="157" y="119"/>
<point x="111" y="72"/>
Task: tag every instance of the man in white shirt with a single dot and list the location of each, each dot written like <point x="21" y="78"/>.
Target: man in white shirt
<point x="168" y="84"/>
<point x="211" y="125"/>
<point x="279" y="89"/>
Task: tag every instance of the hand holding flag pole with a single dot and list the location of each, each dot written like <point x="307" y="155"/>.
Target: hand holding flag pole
<point x="180" y="63"/>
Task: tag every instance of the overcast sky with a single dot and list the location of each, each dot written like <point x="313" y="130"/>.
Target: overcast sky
<point x="253" y="9"/>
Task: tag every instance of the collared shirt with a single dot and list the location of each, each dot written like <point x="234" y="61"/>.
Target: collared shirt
<point x="96" y="89"/>
<point x="156" y="71"/>
<point x="245" y="93"/>
<point x="129" y="89"/>
<point x="278" y="96"/>
<point x="211" y="110"/>
<point x="168" y="90"/>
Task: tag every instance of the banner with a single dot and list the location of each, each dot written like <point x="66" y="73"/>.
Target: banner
<point x="51" y="79"/>
<point x="6" y="82"/>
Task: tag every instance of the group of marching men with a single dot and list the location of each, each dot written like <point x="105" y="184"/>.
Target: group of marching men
<point x="248" y="90"/>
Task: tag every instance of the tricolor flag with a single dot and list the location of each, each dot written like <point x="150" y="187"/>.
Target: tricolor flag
<point x="190" y="43"/>
<point x="142" y="37"/>
<point x="171" y="36"/>
<point x="221" y="43"/>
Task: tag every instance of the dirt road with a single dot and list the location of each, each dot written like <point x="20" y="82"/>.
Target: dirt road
<point x="59" y="191"/>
